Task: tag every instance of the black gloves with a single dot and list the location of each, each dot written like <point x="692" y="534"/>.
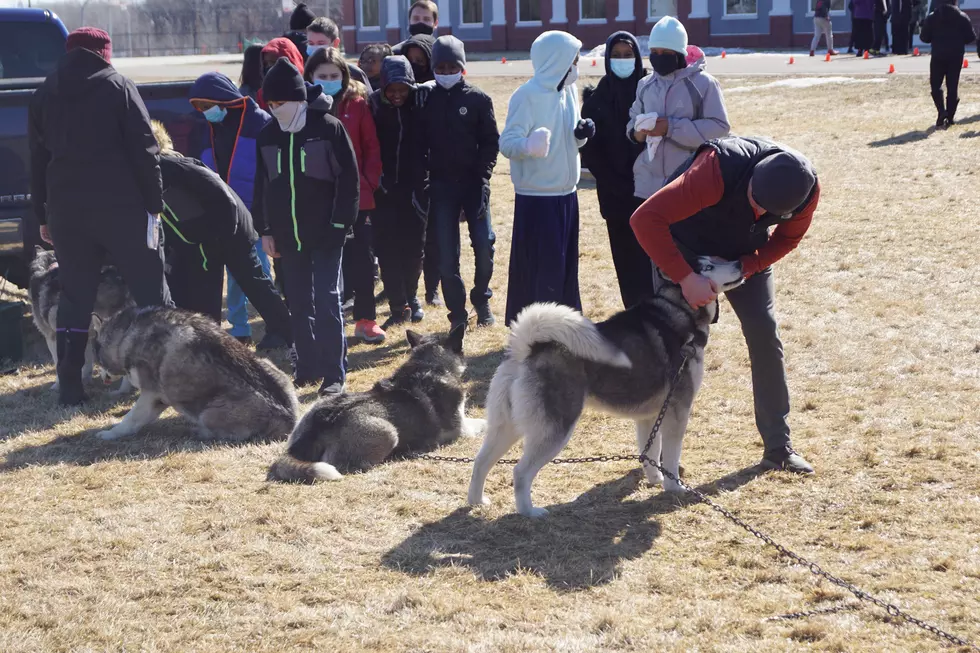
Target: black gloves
<point x="585" y="129"/>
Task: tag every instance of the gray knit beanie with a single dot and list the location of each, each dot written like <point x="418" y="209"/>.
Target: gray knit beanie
<point x="448" y="49"/>
<point x="782" y="182"/>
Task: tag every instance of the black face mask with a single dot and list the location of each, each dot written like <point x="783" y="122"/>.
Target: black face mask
<point x="421" y="73"/>
<point x="420" y="28"/>
<point x="666" y="63"/>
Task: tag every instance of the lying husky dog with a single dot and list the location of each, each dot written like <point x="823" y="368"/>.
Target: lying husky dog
<point x="185" y="360"/>
<point x="559" y="362"/>
<point x="45" y="292"/>
<point x="418" y="409"/>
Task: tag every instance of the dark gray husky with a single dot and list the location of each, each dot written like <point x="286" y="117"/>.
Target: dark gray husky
<point x="559" y="362"/>
<point x="418" y="409"/>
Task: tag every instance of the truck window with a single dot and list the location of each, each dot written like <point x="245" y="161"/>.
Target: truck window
<point x="29" y="49"/>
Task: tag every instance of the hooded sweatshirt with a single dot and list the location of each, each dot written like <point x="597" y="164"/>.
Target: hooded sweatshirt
<point x="691" y="101"/>
<point x="545" y="101"/>
<point x="423" y="42"/>
<point x="402" y="157"/>
<point x="949" y="30"/>
<point x="230" y="146"/>
<point x="610" y="155"/>
<point x="92" y="149"/>
<point x="282" y="47"/>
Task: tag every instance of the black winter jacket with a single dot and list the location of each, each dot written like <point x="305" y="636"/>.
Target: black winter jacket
<point x="92" y="151"/>
<point x="307" y="186"/>
<point x="198" y="207"/>
<point x="459" y="133"/>
<point x="949" y="30"/>
<point x="399" y="132"/>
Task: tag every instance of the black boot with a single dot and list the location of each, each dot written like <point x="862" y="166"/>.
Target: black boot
<point x="951" y="105"/>
<point x="71" y="359"/>
<point x="937" y="98"/>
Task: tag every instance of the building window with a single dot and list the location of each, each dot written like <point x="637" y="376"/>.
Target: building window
<point x="661" y="8"/>
<point x="740" y="7"/>
<point x="592" y="9"/>
<point x="370" y="13"/>
<point x="836" y="6"/>
<point x="528" y="10"/>
<point x="472" y="12"/>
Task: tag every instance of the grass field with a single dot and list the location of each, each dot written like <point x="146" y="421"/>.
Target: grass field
<point x="160" y="543"/>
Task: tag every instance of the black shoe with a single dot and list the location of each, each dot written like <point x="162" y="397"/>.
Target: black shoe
<point x="331" y="390"/>
<point x="245" y="340"/>
<point x="71" y="358"/>
<point x="348" y="306"/>
<point x="786" y="460"/>
<point x="397" y="317"/>
<point x="415" y="308"/>
<point x="941" y="122"/>
<point x="433" y="298"/>
<point x="271" y="341"/>
<point x="484" y="316"/>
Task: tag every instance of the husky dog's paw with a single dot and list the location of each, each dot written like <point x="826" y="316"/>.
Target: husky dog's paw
<point x="654" y="476"/>
<point x="673" y="487"/>
<point x="536" y="513"/>
<point x="473" y="427"/>
<point x="479" y="501"/>
<point x="112" y="434"/>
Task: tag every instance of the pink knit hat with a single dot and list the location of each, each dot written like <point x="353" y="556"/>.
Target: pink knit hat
<point x="694" y="53"/>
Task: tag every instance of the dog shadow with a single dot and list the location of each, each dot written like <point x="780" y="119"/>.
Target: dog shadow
<point x="364" y="356"/>
<point x="35" y="407"/>
<point x="597" y="532"/>
<point x="170" y="434"/>
<point x="479" y="373"/>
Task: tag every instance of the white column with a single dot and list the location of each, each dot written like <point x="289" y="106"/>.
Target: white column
<point x="626" y="10"/>
<point x="558" y="11"/>
<point x="393" y="15"/>
<point x="781" y="8"/>
<point x="499" y="13"/>
<point x="699" y="9"/>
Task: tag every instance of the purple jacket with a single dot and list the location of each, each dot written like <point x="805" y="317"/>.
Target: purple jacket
<point x="864" y="9"/>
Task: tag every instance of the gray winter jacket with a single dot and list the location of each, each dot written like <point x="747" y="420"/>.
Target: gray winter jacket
<point x="691" y="101"/>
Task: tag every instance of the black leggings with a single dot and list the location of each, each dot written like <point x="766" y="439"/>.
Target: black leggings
<point x="948" y="68"/>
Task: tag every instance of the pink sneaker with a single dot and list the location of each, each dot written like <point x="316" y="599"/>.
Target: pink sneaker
<point x="369" y="331"/>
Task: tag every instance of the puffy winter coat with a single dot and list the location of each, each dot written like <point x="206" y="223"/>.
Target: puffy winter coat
<point x="354" y="113"/>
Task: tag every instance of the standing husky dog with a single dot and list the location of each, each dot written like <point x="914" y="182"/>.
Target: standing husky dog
<point x="45" y="292"/>
<point x="418" y="409"/>
<point x="559" y="362"/>
<point x="185" y="360"/>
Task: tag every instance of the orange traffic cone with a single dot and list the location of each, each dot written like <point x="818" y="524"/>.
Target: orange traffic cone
<point x="827" y="58"/>
<point x="503" y="60"/>
<point x="915" y="52"/>
<point x="464" y="71"/>
<point x="723" y="54"/>
<point x="791" y="60"/>
<point x="966" y="64"/>
<point x="866" y="56"/>
<point x="593" y="63"/>
<point x="891" y="69"/>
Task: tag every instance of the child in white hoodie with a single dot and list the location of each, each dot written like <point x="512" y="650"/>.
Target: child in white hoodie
<point x="542" y="136"/>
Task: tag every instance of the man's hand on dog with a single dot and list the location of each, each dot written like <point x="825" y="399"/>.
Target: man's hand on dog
<point x="698" y="290"/>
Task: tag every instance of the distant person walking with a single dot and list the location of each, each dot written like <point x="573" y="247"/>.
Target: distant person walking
<point x="862" y="25"/>
<point x="949" y="30"/>
<point x="880" y="26"/>
<point x="95" y="180"/>
<point x="822" y="27"/>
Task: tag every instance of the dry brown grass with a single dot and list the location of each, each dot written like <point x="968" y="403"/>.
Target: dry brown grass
<point x="163" y="544"/>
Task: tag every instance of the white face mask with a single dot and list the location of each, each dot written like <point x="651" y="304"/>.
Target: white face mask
<point x="572" y="75"/>
<point x="291" y="116"/>
<point x="448" y="81"/>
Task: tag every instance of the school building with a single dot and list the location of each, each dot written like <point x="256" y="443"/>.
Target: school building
<point x="495" y="25"/>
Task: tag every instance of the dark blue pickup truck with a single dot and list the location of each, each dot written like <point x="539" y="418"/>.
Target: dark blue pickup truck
<point x="31" y="43"/>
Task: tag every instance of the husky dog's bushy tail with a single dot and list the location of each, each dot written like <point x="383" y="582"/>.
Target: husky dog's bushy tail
<point x="543" y="323"/>
<point x="293" y="470"/>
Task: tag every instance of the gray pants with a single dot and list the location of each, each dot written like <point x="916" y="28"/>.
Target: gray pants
<point x="822" y="27"/>
<point x="754" y="303"/>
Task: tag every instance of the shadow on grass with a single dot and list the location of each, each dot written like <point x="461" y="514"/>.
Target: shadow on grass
<point x="579" y="545"/>
<point x="35" y="408"/>
<point x="479" y="371"/>
<point x="903" y="139"/>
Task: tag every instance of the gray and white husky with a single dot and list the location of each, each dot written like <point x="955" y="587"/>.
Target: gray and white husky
<point x="559" y="362"/>
<point x="419" y="408"/>
<point x="45" y="293"/>
<point x="182" y="359"/>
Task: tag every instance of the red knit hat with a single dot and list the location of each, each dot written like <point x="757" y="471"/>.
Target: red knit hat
<point x="93" y="39"/>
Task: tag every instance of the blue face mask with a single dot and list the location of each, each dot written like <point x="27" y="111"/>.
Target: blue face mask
<point x="215" y="114"/>
<point x="330" y="87"/>
<point x="310" y="49"/>
<point x="622" y="68"/>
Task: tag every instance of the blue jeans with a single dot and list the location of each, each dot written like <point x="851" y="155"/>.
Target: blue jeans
<point x="237" y="304"/>
<point x="446" y="202"/>
<point x="313" y="286"/>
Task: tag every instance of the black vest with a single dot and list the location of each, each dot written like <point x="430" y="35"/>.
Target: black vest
<point x="729" y="229"/>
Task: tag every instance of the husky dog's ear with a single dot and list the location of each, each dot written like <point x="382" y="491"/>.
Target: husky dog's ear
<point x="454" y="341"/>
<point x="414" y="339"/>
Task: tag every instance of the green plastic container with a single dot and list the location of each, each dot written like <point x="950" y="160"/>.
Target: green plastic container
<point x="11" y="339"/>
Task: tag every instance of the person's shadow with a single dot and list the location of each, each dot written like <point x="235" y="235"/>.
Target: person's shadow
<point x="580" y="544"/>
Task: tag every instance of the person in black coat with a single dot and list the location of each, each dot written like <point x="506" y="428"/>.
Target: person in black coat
<point x="949" y="30"/>
<point x="208" y="227"/>
<point x="95" y="180"/>
<point x="307" y="189"/>
<point x="610" y="156"/>
<point x="882" y="12"/>
<point x="459" y="133"/>
<point x="901" y="24"/>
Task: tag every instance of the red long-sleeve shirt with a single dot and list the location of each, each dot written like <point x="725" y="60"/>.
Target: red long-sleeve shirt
<point x="699" y="187"/>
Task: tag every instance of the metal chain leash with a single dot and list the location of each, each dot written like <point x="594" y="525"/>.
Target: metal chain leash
<point x="834" y="609"/>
